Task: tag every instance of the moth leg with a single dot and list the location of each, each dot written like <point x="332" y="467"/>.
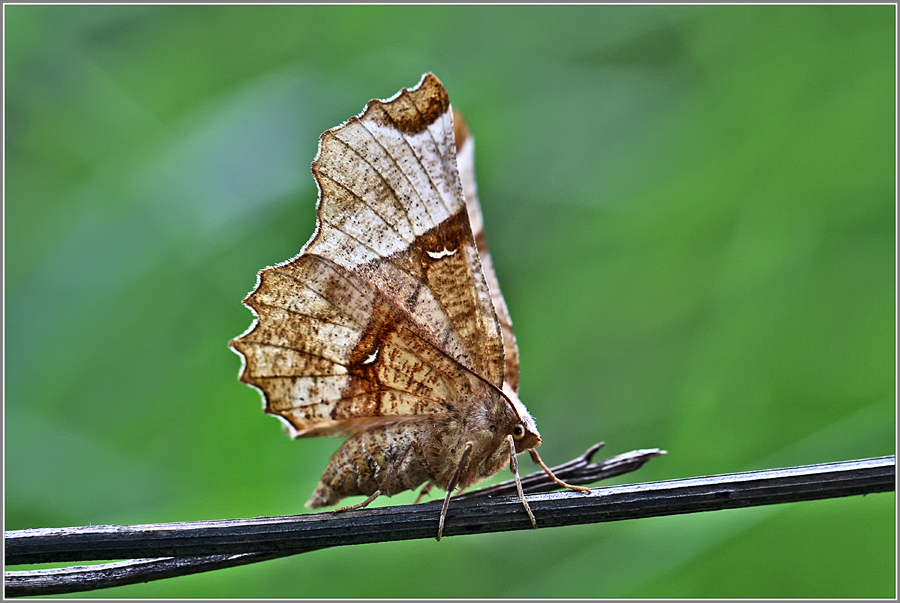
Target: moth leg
<point x="537" y="459"/>
<point x="392" y="474"/>
<point x="425" y="490"/>
<point x="453" y="481"/>
<point x="514" y="467"/>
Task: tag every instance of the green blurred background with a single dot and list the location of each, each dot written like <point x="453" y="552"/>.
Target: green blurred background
<point x="690" y="209"/>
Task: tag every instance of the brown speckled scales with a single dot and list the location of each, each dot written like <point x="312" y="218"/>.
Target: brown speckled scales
<point x="389" y="326"/>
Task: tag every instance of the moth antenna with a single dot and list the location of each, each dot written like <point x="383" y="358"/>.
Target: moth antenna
<point x="452" y="485"/>
<point x="537" y="459"/>
<point x="514" y="467"/>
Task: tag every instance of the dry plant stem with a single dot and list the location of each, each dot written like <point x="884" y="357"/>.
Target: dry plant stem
<point x="202" y="542"/>
<point x="404" y="522"/>
<point x="82" y="578"/>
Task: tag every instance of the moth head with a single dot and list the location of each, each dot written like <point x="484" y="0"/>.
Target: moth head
<point x="523" y="430"/>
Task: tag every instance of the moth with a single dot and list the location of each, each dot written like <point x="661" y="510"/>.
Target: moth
<point x="389" y="328"/>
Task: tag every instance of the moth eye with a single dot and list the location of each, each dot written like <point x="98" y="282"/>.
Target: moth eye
<point x="518" y="432"/>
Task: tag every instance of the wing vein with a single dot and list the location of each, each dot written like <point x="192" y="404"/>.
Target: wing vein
<point x="438" y="146"/>
<point x="304" y="284"/>
<point x="316" y="318"/>
<point x="387" y="184"/>
<point x="375" y="211"/>
<point x="400" y="170"/>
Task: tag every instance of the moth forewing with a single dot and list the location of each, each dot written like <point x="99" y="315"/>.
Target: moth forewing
<point x="389" y="326"/>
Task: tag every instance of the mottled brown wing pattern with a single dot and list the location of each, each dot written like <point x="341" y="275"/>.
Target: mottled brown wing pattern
<point x="391" y="204"/>
<point x="388" y="326"/>
<point x="332" y="355"/>
<point x="465" y="159"/>
<point x="371" y="318"/>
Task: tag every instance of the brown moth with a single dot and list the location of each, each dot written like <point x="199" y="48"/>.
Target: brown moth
<point x="389" y="327"/>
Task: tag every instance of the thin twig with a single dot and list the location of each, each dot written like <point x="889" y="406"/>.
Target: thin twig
<point x="278" y="536"/>
<point x="80" y="578"/>
<point x="88" y="577"/>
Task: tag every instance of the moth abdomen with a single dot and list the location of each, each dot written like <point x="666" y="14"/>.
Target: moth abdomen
<point x="361" y="465"/>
